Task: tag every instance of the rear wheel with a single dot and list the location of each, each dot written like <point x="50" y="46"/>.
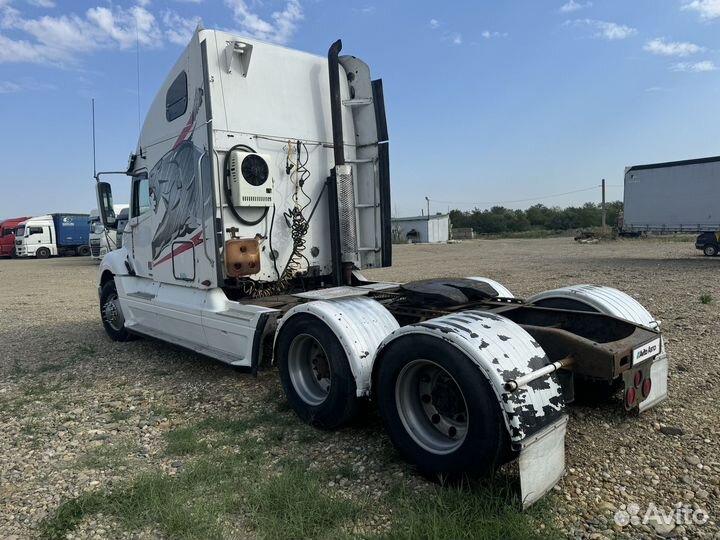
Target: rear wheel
<point x="112" y="316"/>
<point x="710" y="250"/>
<point x="315" y="373"/>
<point x="439" y="410"/>
<point x="42" y="253"/>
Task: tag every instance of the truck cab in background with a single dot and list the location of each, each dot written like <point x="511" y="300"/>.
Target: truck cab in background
<point x="104" y="238"/>
<point x="7" y="235"/>
<point x="53" y="234"/>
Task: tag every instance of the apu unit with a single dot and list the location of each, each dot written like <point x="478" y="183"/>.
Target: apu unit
<point x="250" y="182"/>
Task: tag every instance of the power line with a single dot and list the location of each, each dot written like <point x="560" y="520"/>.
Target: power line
<point x="542" y="197"/>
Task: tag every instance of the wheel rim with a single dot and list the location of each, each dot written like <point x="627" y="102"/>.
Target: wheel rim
<point x="431" y="406"/>
<point x="710" y="251"/>
<point x="309" y="368"/>
<point x="112" y="313"/>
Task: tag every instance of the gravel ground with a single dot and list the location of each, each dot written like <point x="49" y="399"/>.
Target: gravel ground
<point x="68" y="394"/>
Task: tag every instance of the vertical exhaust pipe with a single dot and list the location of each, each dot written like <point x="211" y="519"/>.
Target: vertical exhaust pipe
<point x="342" y="208"/>
<point x="335" y="104"/>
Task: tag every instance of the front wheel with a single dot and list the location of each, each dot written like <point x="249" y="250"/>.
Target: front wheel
<point x="315" y="373"/>
<point x="42" y="253"/>
<point x="439" y="410"/>
<point x="710" y="250"/>
<point x="83" y="251"/>
<point x="112" y="316"/>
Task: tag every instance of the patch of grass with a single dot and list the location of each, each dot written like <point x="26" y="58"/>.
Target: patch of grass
<point x="107" y="456"/>
<point x="185" y="441"/>
<point x="483" y="511"/>
<point x="41" y="389"/>
<point x="294" y="505"/>
<point x="706" y="298"/>
<point x="236" y="487"/>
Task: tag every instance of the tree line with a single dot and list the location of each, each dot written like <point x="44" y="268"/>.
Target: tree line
<point x="538" y="217"/>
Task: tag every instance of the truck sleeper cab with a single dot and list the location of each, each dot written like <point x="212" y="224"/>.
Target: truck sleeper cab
<point x="260" y="190"/>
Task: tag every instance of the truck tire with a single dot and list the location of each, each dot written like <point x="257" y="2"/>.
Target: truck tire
<point x="315" y="372"/>
<point x="111" y="313"/>
<point x="439" y="409"/>
<point x="83" y="251"/>
<point x="710" y="250"/>
<point x="42" y="253"/>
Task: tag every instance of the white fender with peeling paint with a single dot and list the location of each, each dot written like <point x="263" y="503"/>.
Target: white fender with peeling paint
<point x="535" y="414"/>
<point x="359" y="323"/>
<point x="503" y="350"/>
<point x="613" y="302"/>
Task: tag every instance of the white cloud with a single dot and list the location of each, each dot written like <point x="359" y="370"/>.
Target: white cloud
<point x="63" y="38"/>
<point x="42" y="3"/>
<point x="457" y="39"/>
<point x="434" y="23"/>
<point x="572" y="5"/>
<point x="367" y="10"/>
<point x="279" y="30"/>
<point x="179" y="29"/>
<point x="7" y="87"/>
<point x="607" y="30"/>
<point x="696" y="67"/>
<point x="708" y="9"/>
<point x="672" y="48"/>
<point x="487" y="34"/>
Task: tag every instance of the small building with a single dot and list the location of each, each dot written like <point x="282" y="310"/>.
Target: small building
<point x="422" y="229"/>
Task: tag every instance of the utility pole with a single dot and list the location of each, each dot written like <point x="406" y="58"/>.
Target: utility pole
<point x="604" y="211"/>
<point x="428" y="206"/>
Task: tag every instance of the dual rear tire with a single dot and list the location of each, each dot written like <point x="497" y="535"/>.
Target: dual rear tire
<point x="437" y="407"/>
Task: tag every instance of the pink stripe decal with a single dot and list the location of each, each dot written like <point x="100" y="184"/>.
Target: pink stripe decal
<point x="197" y="239"/>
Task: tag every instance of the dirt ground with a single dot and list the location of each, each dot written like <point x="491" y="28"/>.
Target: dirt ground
<point x="67" y="393"/>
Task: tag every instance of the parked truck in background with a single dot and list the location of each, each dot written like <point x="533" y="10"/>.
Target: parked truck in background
<point x="259" y="194"/>
<point x="675" y="197"/>
<point x="7" y="235"/>
<point x="104" y="239"/>
<point x="53" y="234"/>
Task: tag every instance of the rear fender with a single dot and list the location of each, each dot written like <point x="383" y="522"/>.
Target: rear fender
<point x="359" y="323"/>
<point x="613" y="302"/>
<point x="503" y="351"/>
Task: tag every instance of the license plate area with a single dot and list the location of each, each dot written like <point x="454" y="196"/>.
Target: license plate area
<point x="646" y="351"/>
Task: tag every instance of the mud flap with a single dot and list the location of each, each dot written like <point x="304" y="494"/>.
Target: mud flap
<point x="659" y="376"/>
<point x="542" y="461"/>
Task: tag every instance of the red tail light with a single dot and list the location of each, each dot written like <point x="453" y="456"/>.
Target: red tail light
<point x="631" y="395"/>
<point x="638" y="378"/>
<point x="646" y="387"/>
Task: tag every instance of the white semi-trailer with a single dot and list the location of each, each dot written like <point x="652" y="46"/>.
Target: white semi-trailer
<point x="675" y="197"/>
<point x="260" y="189"/>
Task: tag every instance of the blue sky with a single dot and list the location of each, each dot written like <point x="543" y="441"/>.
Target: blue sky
<point x="487" y="102"/>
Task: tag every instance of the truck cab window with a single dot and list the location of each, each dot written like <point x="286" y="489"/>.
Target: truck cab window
<point x="7" y="232"/>
<point x="35" y="230"/>
<point x="176" y="99"/>
<point x="141" y="196"/>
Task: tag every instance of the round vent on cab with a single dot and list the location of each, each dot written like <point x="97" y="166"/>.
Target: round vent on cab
<point x="249" y="175"/>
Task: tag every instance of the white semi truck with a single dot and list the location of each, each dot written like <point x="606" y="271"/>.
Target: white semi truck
<point x="104" y="238"/>
<point x="259" y="192"/>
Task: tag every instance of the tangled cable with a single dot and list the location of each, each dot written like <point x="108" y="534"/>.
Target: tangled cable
<point x="296" y="167"/>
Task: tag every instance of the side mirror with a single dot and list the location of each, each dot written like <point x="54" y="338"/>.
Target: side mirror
<point x="105" y="204"/>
